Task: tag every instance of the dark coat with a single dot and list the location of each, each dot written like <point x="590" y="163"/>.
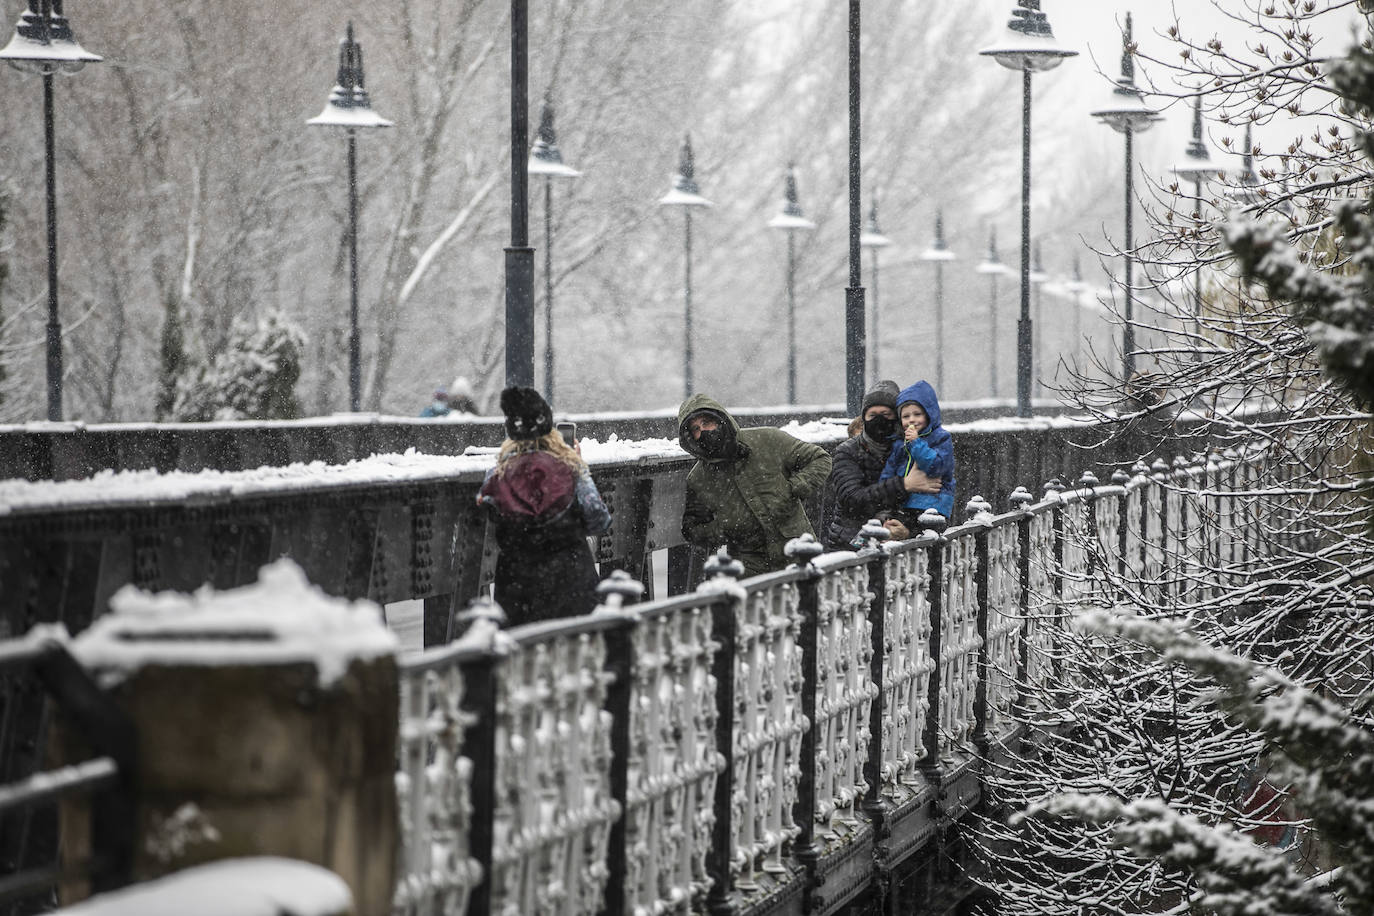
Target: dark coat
<point x="853" y="492"/>
<point x="752" y="501"/>
<point x="545" y="569"/>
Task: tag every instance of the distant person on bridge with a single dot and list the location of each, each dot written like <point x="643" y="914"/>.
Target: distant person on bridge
<point x="461" y="397"/>
<point x="926" y="445"/>
<point x="747" y="489"/>
<point x="544" y="503"/>
<point x="854" y="493"/>
<point x="439" y="406"/>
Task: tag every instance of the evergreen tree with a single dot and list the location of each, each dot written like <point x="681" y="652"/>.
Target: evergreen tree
<point x="253" y="378"/>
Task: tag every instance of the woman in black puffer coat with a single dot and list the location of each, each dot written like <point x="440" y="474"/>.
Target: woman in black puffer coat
<point x="853" y="493"/>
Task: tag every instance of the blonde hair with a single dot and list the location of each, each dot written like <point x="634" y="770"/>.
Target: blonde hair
<point x="551" y="442"/>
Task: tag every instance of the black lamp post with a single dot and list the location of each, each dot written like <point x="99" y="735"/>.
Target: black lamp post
<point x="1197" y="166"/>
<point x="992" y="267"/>
<point x="855" y="338"/>
<point x="43" y="43"/>
<point x="350" y="108"/>
<point x="547" y="160"/>
<point x="1028" y="46"/>
<point x="873" y="239"/>
<point x="1128" y="114"/>
<point x="938" y="253"/>
<point x="686" y="194"/>
<point x="790" y="220"/>
<point x="519" y="254"/>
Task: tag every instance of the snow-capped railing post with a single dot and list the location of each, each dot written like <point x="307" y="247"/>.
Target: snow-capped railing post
<point x="1159" y="472"/>
<point x="721" y="571"/>
<point x="617" y="590"/>
<point x="1187" y="526"/>
<point x="1095" y="561"/>
<point x="1230" y="517"/>
<point x="1020" y="500"/>
<point x="1137" y="502"/>
<point x="874" y="534"/>
<point x="802" y="551"/>
<point x="1123" y="522"/>
<point x="981" y="511"/>
<point x="479" y="746"/>
<point x="932" y="531"/>
<point x="1054" y="490"/>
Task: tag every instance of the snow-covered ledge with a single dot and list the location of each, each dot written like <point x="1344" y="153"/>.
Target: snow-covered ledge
<point x="267" y="724"/>
<point x="262" y="886"/>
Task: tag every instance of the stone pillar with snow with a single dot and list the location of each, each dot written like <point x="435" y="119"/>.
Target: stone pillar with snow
<point x="266" y="719"/>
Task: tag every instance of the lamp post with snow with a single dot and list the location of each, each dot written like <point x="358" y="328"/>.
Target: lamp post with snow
<point x="686" y="194"/>
<point x="937" y="254"/>
<point x="791" y="220"/>
<point x="873" y="239"/>
<point x="44" y="44"/>
<point x="547" y="160"/>
<point x="1028" y="46"/>
<point x="350" y="108"/>
<point x="992" y="267"/>
<point x="1127" y="113"/>
<point x="1197" y="166"/>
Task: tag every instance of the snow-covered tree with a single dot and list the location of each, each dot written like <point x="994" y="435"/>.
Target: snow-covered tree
<point x="253" y="378"/>
<point x="1231" y="703"/>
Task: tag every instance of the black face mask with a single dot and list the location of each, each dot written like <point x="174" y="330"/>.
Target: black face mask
<point x="880" y="428"/>
<point x="715" y="443"/>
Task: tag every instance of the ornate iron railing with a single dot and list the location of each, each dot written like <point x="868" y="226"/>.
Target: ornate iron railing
<point x="783" y="738"/>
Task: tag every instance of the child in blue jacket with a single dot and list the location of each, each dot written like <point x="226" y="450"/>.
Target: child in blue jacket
<point x="926" y="444"/>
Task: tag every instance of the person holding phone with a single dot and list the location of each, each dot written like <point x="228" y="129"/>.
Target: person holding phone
<point x="544" y="504"/>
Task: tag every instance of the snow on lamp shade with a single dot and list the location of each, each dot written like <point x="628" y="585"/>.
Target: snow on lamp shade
<point x="546" y="158"/>
<point x="991" y="263"/>
<point x="938" y="250"/>
<point x="43" y="42"/>
<point x="872" y="236"/>
<point x="1198" y="164"/>
<point x="791" y="216"/>
<point x="349" y="104"/>
<point x="685" y="192"/>
<point x="1125" y="108"/>
<point x="1029" y="42"/>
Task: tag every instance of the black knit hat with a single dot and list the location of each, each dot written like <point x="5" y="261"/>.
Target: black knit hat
<point x="528" y="415"/>
<point x="883" y="393"/>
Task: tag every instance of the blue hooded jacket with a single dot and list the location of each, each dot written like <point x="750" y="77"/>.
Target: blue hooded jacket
<point x="932" y="451"/>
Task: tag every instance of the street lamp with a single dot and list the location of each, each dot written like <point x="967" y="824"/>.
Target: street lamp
<point x="1246" y="191"/>
<point x="1127" y="113"/>
<point x="547" y="160"/>
<point x="350" y="108"/>
<point x="1197" y="166"/>
<point x="873" y="239"/>
<point x="993" y="268"/>
<point x="686" y="194"/>
<point x="1037" y="279"/>
<point x="938" y="253"/>
<point x="1028" y="46"/>
<point x="790" y="220"/>
<point x="43" y="43"/>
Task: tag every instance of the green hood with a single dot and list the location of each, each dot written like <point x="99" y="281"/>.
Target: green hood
<point x="696" y="404"/>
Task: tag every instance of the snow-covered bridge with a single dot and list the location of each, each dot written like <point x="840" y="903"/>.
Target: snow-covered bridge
<point x="794" y="742"/>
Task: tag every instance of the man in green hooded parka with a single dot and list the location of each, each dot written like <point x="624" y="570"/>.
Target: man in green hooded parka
<point x="747" y="488"/>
